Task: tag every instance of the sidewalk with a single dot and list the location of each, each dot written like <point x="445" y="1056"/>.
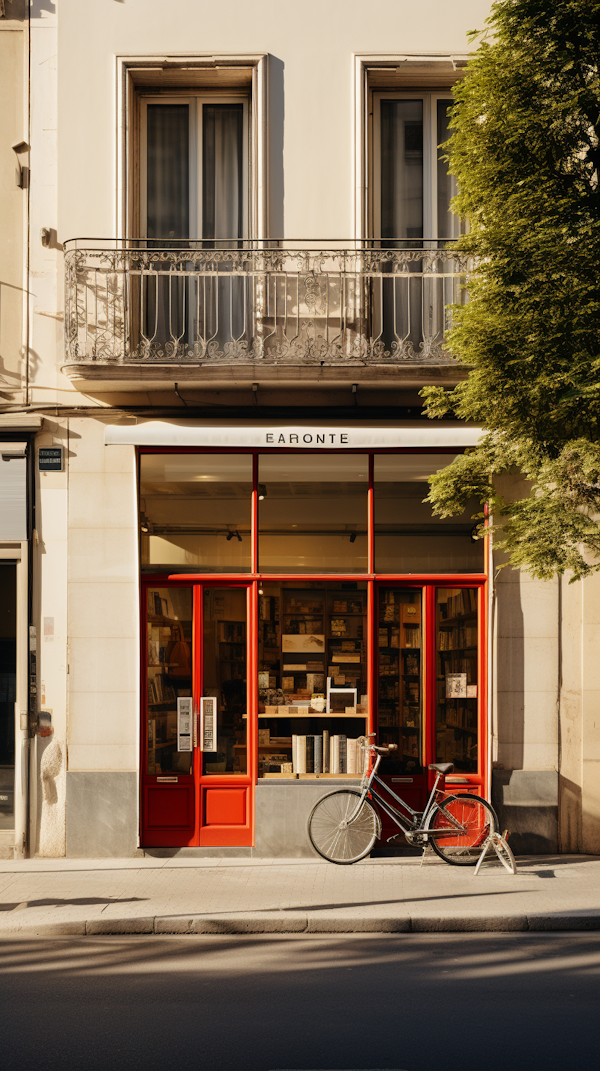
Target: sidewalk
<point x="190" y="895"/>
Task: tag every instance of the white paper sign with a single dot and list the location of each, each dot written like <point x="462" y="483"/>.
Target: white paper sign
<point x="456" y="686"/>
<point x="184" y="723"/>
<point x="208" y="713"/>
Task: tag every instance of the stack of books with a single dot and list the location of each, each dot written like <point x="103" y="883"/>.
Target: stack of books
<point x="322" y="753"/>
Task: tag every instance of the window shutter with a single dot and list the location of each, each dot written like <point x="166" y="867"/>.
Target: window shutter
<point x="13" y="491"/>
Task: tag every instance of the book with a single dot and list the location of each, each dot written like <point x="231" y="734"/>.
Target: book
<point x="310" y="753"/>
<point x="325" y="755"/>
<point x="338" y="754"/>
<point x="351" y="767"/>
<point x="318" y="763"/>
<point x="298" y="754"/>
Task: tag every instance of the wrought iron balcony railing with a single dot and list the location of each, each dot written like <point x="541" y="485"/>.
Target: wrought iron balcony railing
<point x="192" y="303"/>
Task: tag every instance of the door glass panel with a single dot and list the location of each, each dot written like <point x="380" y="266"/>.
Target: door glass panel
<point x="313" y="513"/>
<point x="167" y="182"/>
<point x="400" y="699"/>
<point x="448" y="224"/>
<point x="456" y="678"/>
<point x="408" y="537"/>
<point x="163" y="297"/>
<point x="225" y="677"/>
<point x="223" y="171"/>
<point x="8" y="694"/>
<point x="402" y="169"/>
<point x="195" y="512"/>
<point x="169" y="675"/>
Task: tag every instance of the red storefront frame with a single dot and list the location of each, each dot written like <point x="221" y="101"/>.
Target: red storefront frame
<point x="196" y="830"/>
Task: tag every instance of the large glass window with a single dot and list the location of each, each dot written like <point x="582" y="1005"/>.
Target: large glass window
<point x="312" y="677"/>
<point x="195" y="512"/>
<point x="313" y="513"/>
<point x="457" y="682"/>
<point x="408" y="537"/>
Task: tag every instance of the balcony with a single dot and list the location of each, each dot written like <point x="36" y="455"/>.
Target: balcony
<point x="193" y="311"/>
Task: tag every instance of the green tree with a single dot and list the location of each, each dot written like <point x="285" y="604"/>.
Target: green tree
<point x="525" y="149"/>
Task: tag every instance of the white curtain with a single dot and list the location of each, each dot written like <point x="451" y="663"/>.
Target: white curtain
<point x="222" y="171"/>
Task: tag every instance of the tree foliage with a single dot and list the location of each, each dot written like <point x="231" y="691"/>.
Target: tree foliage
<point x="525" y="149"/>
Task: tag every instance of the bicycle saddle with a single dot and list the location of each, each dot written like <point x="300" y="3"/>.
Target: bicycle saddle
<point x="442" y="767"/>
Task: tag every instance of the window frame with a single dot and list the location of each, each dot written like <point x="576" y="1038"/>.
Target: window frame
<point x="429" y="99"/>
<point x="223" y="73"/>
<point x="195" y="102"/>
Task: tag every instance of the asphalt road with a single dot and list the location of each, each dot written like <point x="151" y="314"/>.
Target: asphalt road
<point x="411" y="1002"/>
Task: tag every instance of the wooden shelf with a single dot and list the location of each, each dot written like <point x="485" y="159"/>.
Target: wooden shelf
<point x="294" y="715"/>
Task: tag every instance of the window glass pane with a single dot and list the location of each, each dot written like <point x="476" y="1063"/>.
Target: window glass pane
<point x="8" y="691"/>
<point x="167" y="184"/>
<point x="169" y="675"/>
<point x="400" y="683"/>
<point x="402" y="169"/>
<point x="195" y="512"/>
<point x="312" y="677"/>
<point x="456" y="678"/>
<point x="224" y="677"/>
<point x="408" y="537"/>
<point x="222" y="171"/>
<point x="449" y="225"/>
<point x="313" y="513"/>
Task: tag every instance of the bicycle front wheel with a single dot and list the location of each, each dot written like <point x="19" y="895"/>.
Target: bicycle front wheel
<point x="477" y="817"/>
<point x="334" y="836"/>
<point x="505" y="855"/>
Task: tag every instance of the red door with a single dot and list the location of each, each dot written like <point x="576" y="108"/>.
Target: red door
<point x="197" y="779"/>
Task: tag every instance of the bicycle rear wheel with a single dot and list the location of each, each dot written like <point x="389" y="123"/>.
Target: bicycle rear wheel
<point x="333" y="836"/>
<point x="479" y="819"/>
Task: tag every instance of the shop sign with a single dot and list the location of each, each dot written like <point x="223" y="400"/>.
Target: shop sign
<point x="421" y="435"/>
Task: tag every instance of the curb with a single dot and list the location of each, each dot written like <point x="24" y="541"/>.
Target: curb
<point x="299" y="922"/>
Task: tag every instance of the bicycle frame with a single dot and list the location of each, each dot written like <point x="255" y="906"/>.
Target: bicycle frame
<point x="417" y="823"/>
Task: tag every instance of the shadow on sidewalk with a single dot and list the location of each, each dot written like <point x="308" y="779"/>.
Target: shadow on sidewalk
<point x="76" y="901"/>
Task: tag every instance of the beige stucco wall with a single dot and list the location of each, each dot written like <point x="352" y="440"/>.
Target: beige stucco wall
<point x="13" y="129"/>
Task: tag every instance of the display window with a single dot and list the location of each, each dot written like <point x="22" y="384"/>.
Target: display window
<point x="336" y="613"/>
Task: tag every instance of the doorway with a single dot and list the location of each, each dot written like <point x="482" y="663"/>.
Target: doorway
<point x="196" y="751"/>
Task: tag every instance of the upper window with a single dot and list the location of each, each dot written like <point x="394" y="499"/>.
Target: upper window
<point x="412" y="188"/>
<point x="194" y="168"/>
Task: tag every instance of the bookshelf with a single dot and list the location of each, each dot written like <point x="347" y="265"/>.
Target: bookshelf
<point x="307" y="633"/>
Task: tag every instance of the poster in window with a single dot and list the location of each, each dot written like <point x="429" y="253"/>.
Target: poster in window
<point x="456" y="686"/>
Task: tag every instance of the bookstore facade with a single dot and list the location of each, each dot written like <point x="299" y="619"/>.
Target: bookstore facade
<point x="297" y="593"/>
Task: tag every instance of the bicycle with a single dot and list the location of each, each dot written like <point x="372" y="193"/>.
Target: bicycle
<point x="344" y="825"/>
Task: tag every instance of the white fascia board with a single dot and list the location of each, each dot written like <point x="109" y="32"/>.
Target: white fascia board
<point x="310" y="435"/>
